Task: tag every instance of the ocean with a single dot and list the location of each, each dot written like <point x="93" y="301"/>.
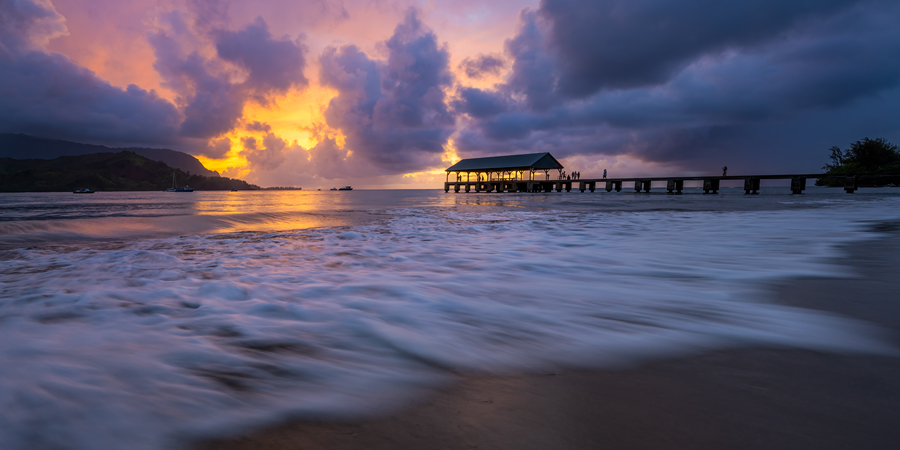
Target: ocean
<point x="144" y="320"/>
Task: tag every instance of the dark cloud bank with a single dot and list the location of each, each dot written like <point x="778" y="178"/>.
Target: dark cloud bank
<point x="759" y="85"/>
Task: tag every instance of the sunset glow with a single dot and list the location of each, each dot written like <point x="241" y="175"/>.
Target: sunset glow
<point x="378" y="94"/>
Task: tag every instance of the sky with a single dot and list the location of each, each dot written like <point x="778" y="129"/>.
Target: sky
<point x="387" y="94"/>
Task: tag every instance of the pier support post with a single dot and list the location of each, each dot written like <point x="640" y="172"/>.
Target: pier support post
<point x="582" y="185"/>
<point x="751" y="186"/>
<point x="609" y="186"/>
<point x="711" y="185"/>
<point x="798" y="184"/>
<point x="674" y="186"/>
<point x="456" y="187"/>
<point x="568" y="186"/>
<point x="467" y="187"/>
<point x="592" y="185"/>
<point x="446" y="187"/>
<point x="647" y="184"/>
<point x="851" y="184"/>
<point x="638" y="185"/>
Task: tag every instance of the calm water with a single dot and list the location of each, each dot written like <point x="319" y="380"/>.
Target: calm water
<point x="141" y="320"/>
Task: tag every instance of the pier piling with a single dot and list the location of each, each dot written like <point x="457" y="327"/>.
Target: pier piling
<point x="798" y="184"/>
<point x="710" y="185"/>
<point x="674" y="186"/>
<point x="751" y="186"/>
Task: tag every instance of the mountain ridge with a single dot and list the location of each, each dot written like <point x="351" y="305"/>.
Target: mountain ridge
<point x="122" y="171"/>
<point x="23" y="146"/>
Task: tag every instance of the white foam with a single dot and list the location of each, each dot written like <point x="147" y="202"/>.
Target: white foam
<point x="140" y="345"/>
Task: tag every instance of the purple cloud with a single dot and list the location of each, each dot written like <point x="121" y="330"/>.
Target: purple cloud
<point x="46" y="94"/>
<point x="212" y="102"/>
<point x="274" y="65"/>
<point x="481" y="65"/>
<point x="266" y="157"/>
<point x="393" y="113"/>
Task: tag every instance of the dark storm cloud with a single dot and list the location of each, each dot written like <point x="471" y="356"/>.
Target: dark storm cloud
<point x="46" y="94"/>
<point x="393" y="113"/>
<point x="274" y="65"/>
<point x="479" y="103"/>
<point x="211" y="101"/>
<point x="627" y="43"/>
<point x="682" y="101"/>
<point x="480" y="65"/>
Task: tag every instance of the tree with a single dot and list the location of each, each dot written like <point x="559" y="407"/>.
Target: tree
<point x="865" y="156"/>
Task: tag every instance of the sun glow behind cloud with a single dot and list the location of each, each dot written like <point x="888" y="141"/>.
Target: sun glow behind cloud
<point x="410" y="86"/>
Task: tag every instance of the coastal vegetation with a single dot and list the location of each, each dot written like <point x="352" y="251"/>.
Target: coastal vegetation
<point x="122" y="171"/>
<point x="864" y="157"/>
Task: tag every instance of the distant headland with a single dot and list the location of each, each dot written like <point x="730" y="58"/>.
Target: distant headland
<point x="122" y="171"/>
<point x="23" y="146"/>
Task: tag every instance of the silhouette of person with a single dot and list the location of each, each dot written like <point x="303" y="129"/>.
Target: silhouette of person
<point x="604" y="174"/>
<point x="568" y="177"/>
<point x="724" y="171"/>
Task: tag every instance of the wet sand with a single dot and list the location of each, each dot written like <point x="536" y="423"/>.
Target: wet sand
<point x="773" y="398"/>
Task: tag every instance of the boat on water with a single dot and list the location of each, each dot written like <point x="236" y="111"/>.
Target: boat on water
<point x="346" y="188"/>
<point x="178" y="189"/>
<point x="333" y="189"/>
<point x="83" y="191"/>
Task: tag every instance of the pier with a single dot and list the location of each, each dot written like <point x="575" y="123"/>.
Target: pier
<point x="523" y="173"/>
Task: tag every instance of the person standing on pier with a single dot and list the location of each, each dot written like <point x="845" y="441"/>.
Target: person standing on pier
<point x="604" y="174"/>
<point x="724" y="171"/>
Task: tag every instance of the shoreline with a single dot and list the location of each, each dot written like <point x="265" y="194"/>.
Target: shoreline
<point x="738" y="398"/>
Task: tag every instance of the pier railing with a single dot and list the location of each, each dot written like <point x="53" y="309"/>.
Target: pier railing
<point x="674" y="185"/>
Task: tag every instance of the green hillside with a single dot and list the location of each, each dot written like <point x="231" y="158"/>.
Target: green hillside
<point x="122" y="171"/>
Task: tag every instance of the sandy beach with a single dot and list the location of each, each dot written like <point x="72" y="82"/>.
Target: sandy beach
<point x="744" y="398"/>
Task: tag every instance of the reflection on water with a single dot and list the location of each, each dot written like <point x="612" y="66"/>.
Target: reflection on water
<point x="138" y="343"/>
<point x="58" y="217"/>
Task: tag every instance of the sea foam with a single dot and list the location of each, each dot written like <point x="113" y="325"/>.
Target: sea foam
<point x="141" y="345"/>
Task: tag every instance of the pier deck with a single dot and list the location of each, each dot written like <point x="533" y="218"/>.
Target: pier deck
<point x="674" y="185"/>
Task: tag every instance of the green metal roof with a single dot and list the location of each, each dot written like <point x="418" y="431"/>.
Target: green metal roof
<point x="510" y="162"/>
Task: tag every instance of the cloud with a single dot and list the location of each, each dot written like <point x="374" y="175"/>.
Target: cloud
<point x="46" y="94"/>
<point x="266" y="157"/>
<point x="393" y="113"/>
<point x="258" y="127"/>
<point x="273" y="65"/>
<point x="481" y="65"/>
<point x="629" y="43"/>
<point x="574" y="88"/>
<point x="218" y="148"/>
<point x="211" y="100"/>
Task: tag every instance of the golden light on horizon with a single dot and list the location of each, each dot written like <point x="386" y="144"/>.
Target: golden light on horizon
<point x="298" y="118"/>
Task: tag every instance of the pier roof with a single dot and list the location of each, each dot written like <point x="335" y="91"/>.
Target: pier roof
<point x="528" y="161"/>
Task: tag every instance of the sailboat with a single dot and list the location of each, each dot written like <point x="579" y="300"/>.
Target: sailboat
<point x="175" y="189"/>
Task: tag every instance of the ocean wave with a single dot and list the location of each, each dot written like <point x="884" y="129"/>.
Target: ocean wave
<point x="142" y="344"/>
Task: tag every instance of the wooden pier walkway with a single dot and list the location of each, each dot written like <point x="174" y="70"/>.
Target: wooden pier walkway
<point x="674" y="185"/>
